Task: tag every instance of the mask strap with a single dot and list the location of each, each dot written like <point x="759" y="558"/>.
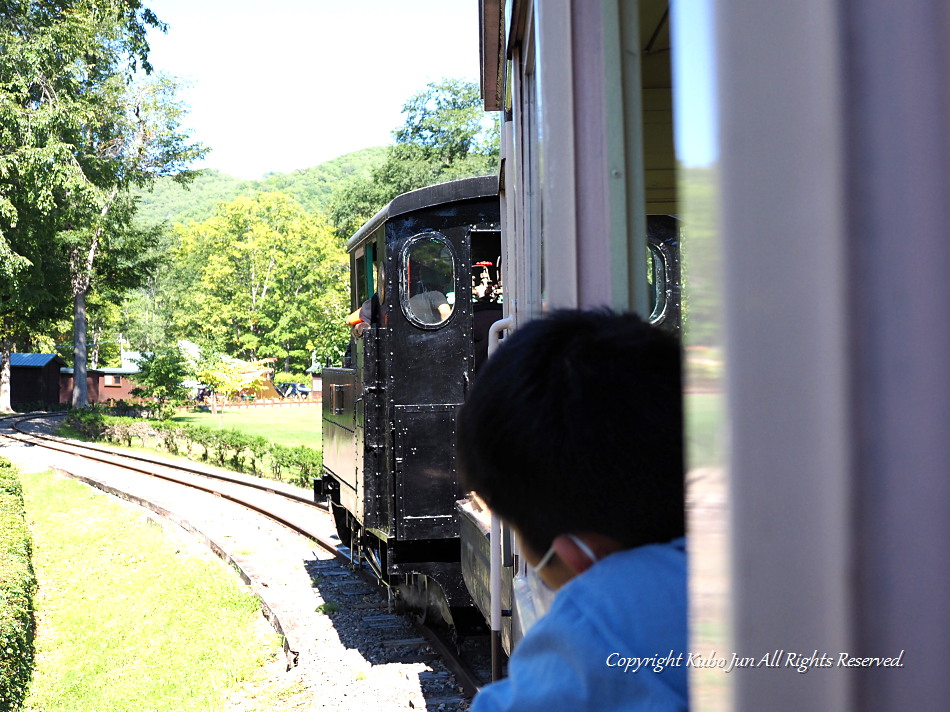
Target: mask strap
<point x="582" y="545"/>
<point x="545" y="560"/>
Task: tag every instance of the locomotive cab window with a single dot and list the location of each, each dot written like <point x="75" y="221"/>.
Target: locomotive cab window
<point x="359" y="278"/>
<point x="427" y="280"/>
<point x="656" y="282"/>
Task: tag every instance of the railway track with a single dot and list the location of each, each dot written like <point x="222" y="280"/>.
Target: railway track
<point x="285" y="504"/>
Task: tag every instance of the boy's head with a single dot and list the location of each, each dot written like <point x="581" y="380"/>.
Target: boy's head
<point x="575" y="425"/>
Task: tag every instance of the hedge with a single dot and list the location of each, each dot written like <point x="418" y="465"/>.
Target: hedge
<point x="17" y="592"/>
<point x="226" y="448"/>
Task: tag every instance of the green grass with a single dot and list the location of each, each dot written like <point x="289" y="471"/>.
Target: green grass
<point x="291" y="426"/>
<point x="127" y="620"/>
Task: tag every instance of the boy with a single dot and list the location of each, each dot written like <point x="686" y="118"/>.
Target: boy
<point x="572" y="434"/>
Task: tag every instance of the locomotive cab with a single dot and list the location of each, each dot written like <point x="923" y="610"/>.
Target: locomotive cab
<point x="426" y="281"/>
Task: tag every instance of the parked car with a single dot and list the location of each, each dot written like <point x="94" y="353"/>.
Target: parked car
<point x="290" y="390"/>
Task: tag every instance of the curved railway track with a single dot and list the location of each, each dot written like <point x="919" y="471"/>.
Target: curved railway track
<point x="289" y="506"/>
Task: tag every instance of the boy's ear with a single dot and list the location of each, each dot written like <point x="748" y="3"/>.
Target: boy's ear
<point x="575" y="557"/>
<point x="571" y="554"/>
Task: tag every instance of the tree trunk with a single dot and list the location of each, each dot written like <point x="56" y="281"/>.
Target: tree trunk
<point x="80" y="391"/>
<point x="5" y="405"/>
<point x="94" y="354"/>
<point x="81" y="263"/>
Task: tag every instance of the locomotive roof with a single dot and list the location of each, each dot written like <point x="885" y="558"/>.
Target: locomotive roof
<point x="453" y="191"/>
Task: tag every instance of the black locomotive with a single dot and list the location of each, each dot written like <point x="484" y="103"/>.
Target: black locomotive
<point x="426" y="284"/>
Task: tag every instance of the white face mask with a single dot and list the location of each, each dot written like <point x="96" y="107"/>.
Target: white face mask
<point x="533" y="597"/>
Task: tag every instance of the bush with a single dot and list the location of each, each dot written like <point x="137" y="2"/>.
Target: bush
<point x="282" y="377"/>
<point x="310" y="465"/>
<point x="17" y="592"/>
<point x="88" y="422"/>
<point x="226" y="448"/>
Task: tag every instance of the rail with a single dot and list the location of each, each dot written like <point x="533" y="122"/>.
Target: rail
<point x="184" y="475"/>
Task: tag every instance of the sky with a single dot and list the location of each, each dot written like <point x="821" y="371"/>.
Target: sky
<point x="287" y="84"/>
<point x="280" y="85"/>
<point x="694" y="81"/>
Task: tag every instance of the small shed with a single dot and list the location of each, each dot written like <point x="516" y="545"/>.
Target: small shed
<point x="93" y="377"/>
<point x="105" y="383"/>
<point x="34" y="379"/>
<point x="102" y="384"/>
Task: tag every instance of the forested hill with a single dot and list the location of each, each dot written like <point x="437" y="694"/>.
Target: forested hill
<point x="311" y="187"/>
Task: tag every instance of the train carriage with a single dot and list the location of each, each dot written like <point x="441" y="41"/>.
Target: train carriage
<point x="817" y="488"/>
<point x="817" y="273"/>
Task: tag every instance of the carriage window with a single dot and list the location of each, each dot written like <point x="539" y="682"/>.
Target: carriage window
<point x="427" y="281"/>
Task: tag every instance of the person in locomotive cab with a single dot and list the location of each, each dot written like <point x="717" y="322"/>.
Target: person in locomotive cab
<point x="430" y="274"/>
<point x="368" y="314"/>
<point x="430" y="307"/>
<point x="572" y="434"/>
<point x="363" y="318"/>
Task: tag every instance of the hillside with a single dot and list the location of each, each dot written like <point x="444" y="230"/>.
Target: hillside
<point x="312" y="187"/>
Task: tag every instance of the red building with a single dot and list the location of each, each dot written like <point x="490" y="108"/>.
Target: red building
<point x="102" y="384"/>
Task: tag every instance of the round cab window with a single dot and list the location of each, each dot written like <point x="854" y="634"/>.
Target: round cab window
<point x="428" y="281"/>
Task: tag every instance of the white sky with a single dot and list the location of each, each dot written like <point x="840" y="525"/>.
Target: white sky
<point x="694" y="81"/>
<point x="285" y="84"/>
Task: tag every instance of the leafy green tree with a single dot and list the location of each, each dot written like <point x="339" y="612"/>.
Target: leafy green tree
<point x="76" y="134"/>
<point x="34" y="301"/>
<point x="445" y="136"/>
<point x="142" y="141"/>
<point x="59" y="66"/>
<point x="227" y="377"/>
<point x="161" y="376"/>
<point x="447" y="122"/>
<point x="262" y="278"/>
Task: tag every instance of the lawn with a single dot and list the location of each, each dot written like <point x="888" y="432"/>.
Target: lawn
<point x="291" y="426"/>
<point x="128" y="619"/>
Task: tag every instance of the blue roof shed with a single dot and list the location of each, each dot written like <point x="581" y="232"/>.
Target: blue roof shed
<point x="34" y="360"/>
<point x="34" y="379"/>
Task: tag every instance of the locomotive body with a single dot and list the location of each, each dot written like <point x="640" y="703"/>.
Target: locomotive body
<point x="425" y="279"/>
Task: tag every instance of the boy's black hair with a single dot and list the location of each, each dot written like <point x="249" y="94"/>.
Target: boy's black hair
<point x="575" y="425"/>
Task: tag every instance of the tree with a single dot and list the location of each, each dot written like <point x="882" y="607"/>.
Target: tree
<point x="32" y="302"/>
<point x="446" y="120"/>
<point x="262" y="279"/>
<point x="161" y="376"/>
<point x="143" y="142"/>
<point x="228" y="376"/>
<point x="445" y="136"/>
<point x="76" y="134"/>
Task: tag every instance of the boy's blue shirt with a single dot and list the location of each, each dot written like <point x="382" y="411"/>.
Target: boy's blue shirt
<point x="630" y="605"/>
